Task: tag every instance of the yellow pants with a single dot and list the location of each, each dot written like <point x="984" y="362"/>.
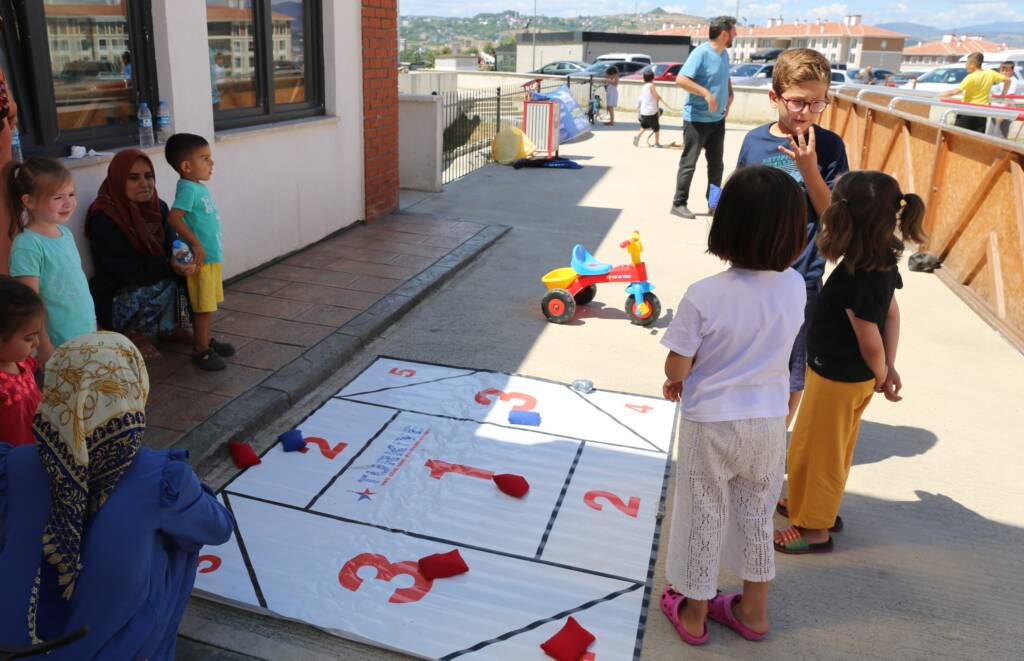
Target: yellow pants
<point x="821" y="448"/>
<point x="206" y="288"/>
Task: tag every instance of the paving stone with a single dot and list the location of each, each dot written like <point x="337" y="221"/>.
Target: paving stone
<point x="268" y="328"/>
<point x="181" y="409"/>
<point x="257" y="284"/>
<point x="375" y="284"/>
<point x="301" y="375"/>
<point x="159" y="438"/>
<point x="348" y="298"/>
<point x="318" y="276"/>
<point x="232" y="381"/>
<point x="393" y="271"/>
<point x="371" y="322"/>
<point x="390" y="237"/>
<point x="424" y="282"/>
<point x="266" y="355"/>
<point x="328" y="315"/>
<point x="246" y="414"/>
<point x="268" y="306"/>
<point x="407" y="248"/>
<point x="341" y="249"/>
<point x="414" y="262"/>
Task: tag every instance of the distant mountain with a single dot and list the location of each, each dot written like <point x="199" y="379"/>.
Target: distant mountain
<point x="915" y="30"/>
<point x="1010" y="33"/>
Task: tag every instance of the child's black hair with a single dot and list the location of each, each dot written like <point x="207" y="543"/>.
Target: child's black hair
<point x="761" y="220"/>
<point x="181" y="146"/>
<point x="648" y="76"/>
<point x="29" y="178"/>
<point x="18" y="303"/>
<point x="860" y="224"/>
<point x="612" y="70"/>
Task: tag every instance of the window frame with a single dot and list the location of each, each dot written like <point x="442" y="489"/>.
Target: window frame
<point x="27" y="46"/>
<point x="267" y="110"/>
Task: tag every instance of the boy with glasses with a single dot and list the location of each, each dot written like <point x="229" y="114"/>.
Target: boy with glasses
<point x="815" y="157"/>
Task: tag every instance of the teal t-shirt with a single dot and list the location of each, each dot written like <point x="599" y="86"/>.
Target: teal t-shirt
<point x="710" y="70"/>
<point x="201" y="216"/>
<point x="62" y="284"/>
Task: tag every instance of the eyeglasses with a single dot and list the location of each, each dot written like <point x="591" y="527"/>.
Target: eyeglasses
<point x="797" y="105"/>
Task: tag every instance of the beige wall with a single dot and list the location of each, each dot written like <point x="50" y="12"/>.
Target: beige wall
<point x="420" y="131"/>
<point x="546" y="53"/>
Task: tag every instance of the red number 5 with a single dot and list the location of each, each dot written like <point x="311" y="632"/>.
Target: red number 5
<point x="528" y="402"/>
<point x="590" y="498"/>
<point x="386" y="570"/>
<point x="214" y="565"/>
<point x="402" y="372"/>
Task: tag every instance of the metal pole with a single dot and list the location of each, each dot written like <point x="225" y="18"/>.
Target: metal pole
<point x="534" y="36"/>
<point x="737" y="16"/>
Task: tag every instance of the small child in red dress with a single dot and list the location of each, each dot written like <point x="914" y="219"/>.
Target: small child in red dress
<point x="21" y="321"/>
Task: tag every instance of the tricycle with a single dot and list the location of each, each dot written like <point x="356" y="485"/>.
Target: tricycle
<point x="577" y="285"/>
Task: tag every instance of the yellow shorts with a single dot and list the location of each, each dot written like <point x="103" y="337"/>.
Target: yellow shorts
<point x="205" y="288"/>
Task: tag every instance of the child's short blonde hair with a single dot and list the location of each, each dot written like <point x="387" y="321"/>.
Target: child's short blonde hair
<point x="800" y="65"/>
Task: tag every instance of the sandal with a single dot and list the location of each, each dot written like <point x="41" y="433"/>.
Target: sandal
<point x="223" y="349"/>
<point x="720" y="610"/>
<point x="209" y="361"/>
<point x="145" y="347"/>
<point x="837" y="526"/>
<point x="796" y="544"/>
<point x="671" y="603"/>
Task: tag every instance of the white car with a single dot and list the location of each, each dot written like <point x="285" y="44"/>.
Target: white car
<point x="939" y="79"/>
<point x="624" y="57"/>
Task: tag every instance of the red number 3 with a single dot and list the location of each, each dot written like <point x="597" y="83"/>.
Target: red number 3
<point x="386" y="571"/>
<point x="590" y="498"/>
<point x="483" y="398"/>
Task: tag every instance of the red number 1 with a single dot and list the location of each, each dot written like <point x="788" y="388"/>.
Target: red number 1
<point x="386" y="570"/>
<point x="438" y="469"/>
<point x="590" y="498"/>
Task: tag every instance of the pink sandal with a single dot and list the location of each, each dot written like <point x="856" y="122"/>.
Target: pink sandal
<point x="720" y="610"/>
<point x="671" y="603"/>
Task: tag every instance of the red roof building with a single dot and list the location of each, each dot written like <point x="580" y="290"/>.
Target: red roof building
<point x="947" y="50"/>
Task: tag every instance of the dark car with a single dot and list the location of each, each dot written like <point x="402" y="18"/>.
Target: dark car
<point x="601" y="69"/>
<point x="561" y="68"/>
<point x="664" y="71"/>
<point x="766" y="55"/>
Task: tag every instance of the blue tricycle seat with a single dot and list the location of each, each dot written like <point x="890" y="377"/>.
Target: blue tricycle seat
<point x="585" y="264"/>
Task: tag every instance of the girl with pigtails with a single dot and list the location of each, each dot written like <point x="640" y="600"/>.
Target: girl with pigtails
<point x="851" y="348"/>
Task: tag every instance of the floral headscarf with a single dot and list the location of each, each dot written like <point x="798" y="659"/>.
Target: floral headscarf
<point x="89" y="429"/>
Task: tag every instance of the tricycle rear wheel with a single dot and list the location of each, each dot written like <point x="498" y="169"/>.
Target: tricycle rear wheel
<point x="586" y="295"/>
<point x="646" y="316"/>
<point x="558" y="306"/>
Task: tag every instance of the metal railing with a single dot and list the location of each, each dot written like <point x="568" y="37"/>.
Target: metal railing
<point x="973" y="187"/>
<point x="473" y="117"/>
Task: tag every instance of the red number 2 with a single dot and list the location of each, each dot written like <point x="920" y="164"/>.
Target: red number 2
<point x="483" y="398"/>
<point x="325" y="449"/>
<point x="214" y="565"/>
<point x="590" y="498"/>
<point x="407" y="373"/>
<point x="438" y="469"/>
<point x="386" y="570"/>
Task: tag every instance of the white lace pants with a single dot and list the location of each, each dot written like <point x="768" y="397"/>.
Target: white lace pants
<point x="728" y="479"/>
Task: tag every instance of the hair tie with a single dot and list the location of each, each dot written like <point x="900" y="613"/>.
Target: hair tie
<point x="843" y="200"/>
<point x="17" y="171"/>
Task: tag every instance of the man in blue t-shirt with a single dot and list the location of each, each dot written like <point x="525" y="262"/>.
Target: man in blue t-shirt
<point x="705" y="76"/>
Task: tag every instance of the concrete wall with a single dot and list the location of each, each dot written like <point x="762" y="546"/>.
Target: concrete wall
<point x="278" y="187"/>
<point x="420" y="131"/>
<point x="546" y="53"/>
<point x="427" y="82"/>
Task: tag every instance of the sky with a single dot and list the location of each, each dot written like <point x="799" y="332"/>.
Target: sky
<point x="937" y="13"/>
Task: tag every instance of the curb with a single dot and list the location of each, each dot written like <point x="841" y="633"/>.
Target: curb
<point x="251" y="411"/>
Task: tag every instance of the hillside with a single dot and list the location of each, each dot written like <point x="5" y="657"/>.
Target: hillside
<point x="1011" y="32"/>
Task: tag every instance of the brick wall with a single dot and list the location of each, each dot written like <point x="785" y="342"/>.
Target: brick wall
<point x="380" y="106"/>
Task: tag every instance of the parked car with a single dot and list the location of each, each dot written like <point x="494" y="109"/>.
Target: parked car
<point x="561" y="68"/>
<point x="624" y="57"/>
<point x="599" y="69"/>
<point x="664" y="71"/>
<point x="939" y="79"/>
<point x="766" y="55"/>
<point x="844" y="77"/>
<point x="752" y="74"/>
<point x="878" y="75"/>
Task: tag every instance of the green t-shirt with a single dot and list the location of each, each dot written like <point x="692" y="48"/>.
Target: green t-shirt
<point x="201" y="217"/>
<point x="62" y="285"/>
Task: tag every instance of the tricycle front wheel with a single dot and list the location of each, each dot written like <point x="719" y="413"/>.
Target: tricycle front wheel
<point x="558" y="306"/>
<point x="646" y="313"/>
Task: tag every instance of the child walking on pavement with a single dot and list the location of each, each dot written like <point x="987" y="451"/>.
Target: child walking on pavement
<point x="851" y="348"/>
<point x="611" y="90"/>
<point x="194" y="217"/>
<point x="728" y="361"/>
<point x="650" y="113"/>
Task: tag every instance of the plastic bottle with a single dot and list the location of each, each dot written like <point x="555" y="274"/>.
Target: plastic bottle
<point x="182" y="253"/>
<point x="163" y="123"/>
<point x="16" y="145"/>
<point x="145" y="126"/>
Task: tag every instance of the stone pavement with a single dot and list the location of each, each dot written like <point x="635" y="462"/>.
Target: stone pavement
<point x="347" y="285"/>
<point x="929" y="566"/>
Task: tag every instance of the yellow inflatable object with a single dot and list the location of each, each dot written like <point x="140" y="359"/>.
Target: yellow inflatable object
<point x="510" y="145"/>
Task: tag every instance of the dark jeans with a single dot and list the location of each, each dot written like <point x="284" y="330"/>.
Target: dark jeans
<point x="971" y="123"/>
<point x="697" y="136"/>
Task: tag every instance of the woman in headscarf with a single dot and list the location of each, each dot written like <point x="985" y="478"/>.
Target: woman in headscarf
<point x="96" y="530"/>
<point x="138" y="286"/>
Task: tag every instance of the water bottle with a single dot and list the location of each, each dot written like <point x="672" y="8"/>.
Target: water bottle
<point x="145" y="125"/>
<point x="163" y="123"/>
<point x="16" y="145"/>
<point x="182" y="253"/>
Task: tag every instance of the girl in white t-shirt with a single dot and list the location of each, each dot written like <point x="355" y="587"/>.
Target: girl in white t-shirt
<point x="728" y="361"/>
<point x="650" y="113"/>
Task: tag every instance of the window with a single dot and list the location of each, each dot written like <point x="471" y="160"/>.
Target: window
<point x="884" y="44"/>
<point x="281" y="77"/>
<point x="69" y="92"/>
